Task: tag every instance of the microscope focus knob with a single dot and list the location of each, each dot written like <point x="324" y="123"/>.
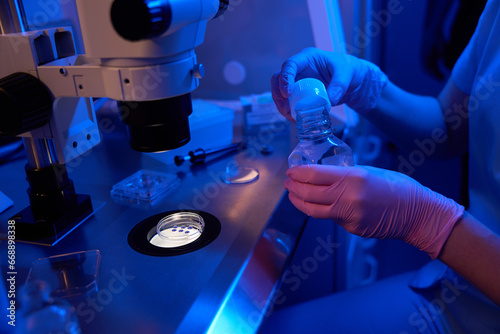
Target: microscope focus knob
<point x="141" y="19"/>
<point x="199" y="71"/>
<point x="25" y="104"/>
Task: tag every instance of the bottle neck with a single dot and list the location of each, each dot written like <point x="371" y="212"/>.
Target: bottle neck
<point x="313" y="123"/>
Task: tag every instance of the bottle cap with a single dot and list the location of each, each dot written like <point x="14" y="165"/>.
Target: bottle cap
<point x="308" y="93"/>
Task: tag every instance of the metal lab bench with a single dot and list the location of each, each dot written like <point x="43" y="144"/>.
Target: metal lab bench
<point x="221" y="288"/>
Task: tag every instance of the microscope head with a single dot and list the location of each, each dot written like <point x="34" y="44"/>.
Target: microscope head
<point x="151" y="44"/>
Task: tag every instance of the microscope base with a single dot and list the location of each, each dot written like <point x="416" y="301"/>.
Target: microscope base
<point x="51" y="232"/>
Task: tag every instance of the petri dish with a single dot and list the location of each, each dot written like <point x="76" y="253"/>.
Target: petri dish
<point x="178" y="229"/>
<point x="239" y="175"/>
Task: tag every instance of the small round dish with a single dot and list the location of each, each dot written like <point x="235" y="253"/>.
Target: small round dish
<point x="180" y="228"/>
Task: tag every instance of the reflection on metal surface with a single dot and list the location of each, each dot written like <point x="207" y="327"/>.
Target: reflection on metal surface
<point x="254" y="289"/>
<point x="251" y="296"/>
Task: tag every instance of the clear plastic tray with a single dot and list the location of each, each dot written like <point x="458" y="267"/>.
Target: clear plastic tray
<point x="144" y="187"/>
<point x="68" y="275"/>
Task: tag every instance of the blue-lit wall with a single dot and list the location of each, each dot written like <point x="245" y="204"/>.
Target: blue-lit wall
<point x="259" y="35"/>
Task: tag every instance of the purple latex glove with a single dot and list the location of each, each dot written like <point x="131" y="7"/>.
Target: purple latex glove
<point x="347" y="79"/>
<point x="375" y="203"/>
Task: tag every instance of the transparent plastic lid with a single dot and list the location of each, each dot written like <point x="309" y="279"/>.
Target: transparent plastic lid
<point x="68" y="275"/>
<point x="144" y="186"/>
<point x="178" y="229"/>
<point x="239" y="175"/>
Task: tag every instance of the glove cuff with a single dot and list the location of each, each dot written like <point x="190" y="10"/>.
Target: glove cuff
<point x="445" y="222"/>
<point x="365" y="98"/>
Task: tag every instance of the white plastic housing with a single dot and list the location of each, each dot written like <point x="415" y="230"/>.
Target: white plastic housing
<point x="102" y="41"/>
<point x="73" y="124"/>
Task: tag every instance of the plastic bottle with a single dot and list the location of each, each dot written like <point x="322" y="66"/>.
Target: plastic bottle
<point x="310" y="108"/>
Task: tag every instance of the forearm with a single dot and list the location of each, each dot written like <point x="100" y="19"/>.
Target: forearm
<point x="473" y="251"/>
<point x="412" y="121"/>
<point x="406" y="118"/>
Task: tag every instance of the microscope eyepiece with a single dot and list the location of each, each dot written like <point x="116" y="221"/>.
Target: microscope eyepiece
<point x="141" y="19"/>
<point x="158" y="125"/>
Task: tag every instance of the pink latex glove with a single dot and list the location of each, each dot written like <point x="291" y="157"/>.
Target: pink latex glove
<point x="375" y="203"/>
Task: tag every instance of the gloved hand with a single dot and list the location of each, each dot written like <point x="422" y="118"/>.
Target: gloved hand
<point x="375" y="203"/>
<point x="347" y="79"/>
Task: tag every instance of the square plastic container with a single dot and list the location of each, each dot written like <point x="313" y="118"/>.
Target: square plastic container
<point x="144" y="188"/>
<point x="68" y="275"/>
<point x="210" y="125"/>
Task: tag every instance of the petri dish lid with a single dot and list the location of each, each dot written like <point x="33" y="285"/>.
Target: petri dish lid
<point x="239" y="175"/>
<point x="179" y="229"/>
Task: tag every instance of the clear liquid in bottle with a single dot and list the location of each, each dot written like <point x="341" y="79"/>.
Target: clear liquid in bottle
<point x="317" y="143"/>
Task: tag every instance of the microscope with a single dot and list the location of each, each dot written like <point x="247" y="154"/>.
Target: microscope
<point x="137" y="52"/>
